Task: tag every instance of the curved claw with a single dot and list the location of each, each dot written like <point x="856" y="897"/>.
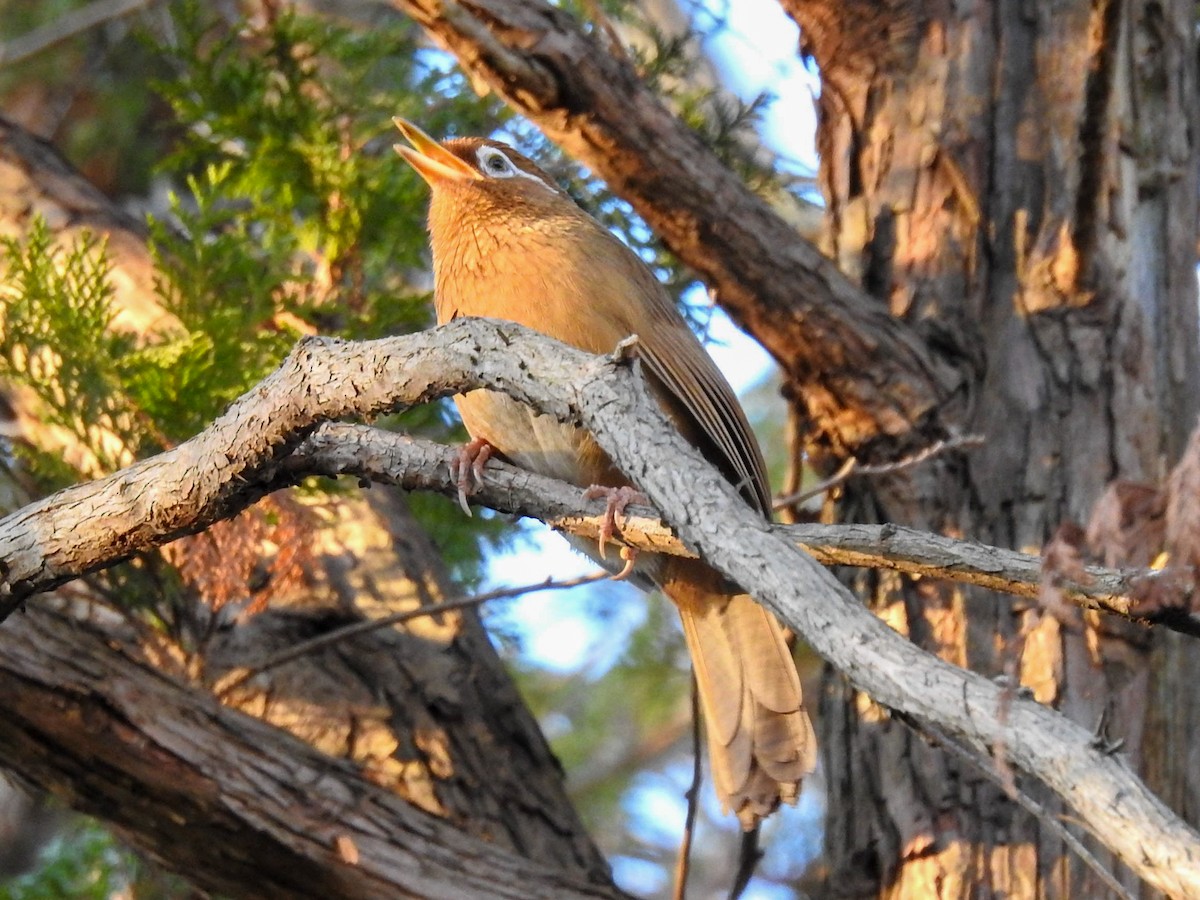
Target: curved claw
<point x="615" y="501"/>
<point x="466" y="468"/>
<point x="630" y="555"/>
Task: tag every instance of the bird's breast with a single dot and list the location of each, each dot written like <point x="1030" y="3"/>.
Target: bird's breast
<point x="542" y="275"/>
<point x="546" y="275"/>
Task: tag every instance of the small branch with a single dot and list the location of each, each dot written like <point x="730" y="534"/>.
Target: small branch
<point x="65" y="27"/>
<point x="684" y="860"/>
<point x="241" y="676"/>
<point x="852" y="468"/>
<point x="345" y="449"/>
<point x="749" y="856"/>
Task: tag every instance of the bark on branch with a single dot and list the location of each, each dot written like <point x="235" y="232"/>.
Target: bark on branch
<point x="254" y="811"/>
<point x="187" y="495"/>
<point x="348" y="449"/>
<point x="186" y="488"/>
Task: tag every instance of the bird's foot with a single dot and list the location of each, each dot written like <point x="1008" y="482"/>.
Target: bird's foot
<point x="466" y="468"/>
<point x="615" y="501"/>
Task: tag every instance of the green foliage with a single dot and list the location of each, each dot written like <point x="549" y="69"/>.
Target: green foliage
<point x="228" y="292"/>
<point x="85" y="862"/>
<point x="56" y="337"/>
<point x="82" y="862"/>
<point x="294" y="120"/>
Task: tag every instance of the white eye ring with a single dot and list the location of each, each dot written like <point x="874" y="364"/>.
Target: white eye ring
<point x="494" y="164"/>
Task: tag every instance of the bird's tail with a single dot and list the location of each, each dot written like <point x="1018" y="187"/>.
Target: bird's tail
<point x="760" y="739"/>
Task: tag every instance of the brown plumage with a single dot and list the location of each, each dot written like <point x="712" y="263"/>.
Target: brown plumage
<point x="510" y="244"/>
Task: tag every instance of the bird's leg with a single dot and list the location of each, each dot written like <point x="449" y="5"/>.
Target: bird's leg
<point x="466" y="468"/>
<point x="615" y="501"/>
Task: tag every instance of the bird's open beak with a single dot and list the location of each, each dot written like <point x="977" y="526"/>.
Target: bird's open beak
<point x="432" y="161"/>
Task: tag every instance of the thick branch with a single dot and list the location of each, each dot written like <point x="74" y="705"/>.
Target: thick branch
<point x="861" y="373"/>
<point x="326" y="378"/>
<point x="117" y="739"/>
<point x="414" y="464"/>
<point x="235" y="462"/>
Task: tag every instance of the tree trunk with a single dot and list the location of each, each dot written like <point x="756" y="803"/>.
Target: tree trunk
<point x="1017" y="181"/>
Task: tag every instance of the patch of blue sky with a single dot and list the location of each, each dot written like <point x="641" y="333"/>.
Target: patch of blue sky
<point x="754" y="45"/>
<point x="640" y="877"/>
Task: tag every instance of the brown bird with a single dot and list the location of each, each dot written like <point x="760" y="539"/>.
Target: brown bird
<point x="508" y="243"/>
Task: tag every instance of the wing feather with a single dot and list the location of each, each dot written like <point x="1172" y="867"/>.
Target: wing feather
<point x="677" y="360"/>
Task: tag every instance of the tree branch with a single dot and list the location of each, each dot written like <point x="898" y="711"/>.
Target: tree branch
<point x="339" y="448"/>
<point x="168" y="484"/>
<point x="240" y="791"/>
<point x="248" y="448"/>
<point x="65" y="27"/>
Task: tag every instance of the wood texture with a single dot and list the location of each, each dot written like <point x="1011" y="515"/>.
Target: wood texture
<point x="995" y="175"/>
<point x="235" y="805"/>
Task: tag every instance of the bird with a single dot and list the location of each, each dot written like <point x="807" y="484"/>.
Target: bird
<point x="509" y="243"/>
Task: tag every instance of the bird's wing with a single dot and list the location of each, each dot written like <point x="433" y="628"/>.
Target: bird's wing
<point x="676" y="359"/>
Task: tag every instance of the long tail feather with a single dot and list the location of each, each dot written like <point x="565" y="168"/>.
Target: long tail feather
<point x="760" y="739"/>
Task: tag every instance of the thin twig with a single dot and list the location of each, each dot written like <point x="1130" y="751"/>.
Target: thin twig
<point x="748" y="857"/>
<point x="683" y="862"/>
<point x="1022" y="799"/>
<point x="65" y="27"/>
<point x="348" y="631"/>
<point x="851" y="467"/>
<point x="844" y="471"/>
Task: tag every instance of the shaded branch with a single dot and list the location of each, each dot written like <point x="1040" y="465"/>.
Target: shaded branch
<point x="414" y="464"/>
<point x="185" y="488"/>
<point x="255" y="812"/>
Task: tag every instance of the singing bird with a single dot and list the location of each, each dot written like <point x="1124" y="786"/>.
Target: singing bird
<point x="509" y="243"/>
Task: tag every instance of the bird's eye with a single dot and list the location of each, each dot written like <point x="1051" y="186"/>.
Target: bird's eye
<point x="495" y="163"/>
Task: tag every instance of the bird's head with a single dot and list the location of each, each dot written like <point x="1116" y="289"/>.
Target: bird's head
<point x="477" y="176"/>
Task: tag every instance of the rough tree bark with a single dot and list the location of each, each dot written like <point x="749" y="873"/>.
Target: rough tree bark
<point x="1018" y="181"/>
